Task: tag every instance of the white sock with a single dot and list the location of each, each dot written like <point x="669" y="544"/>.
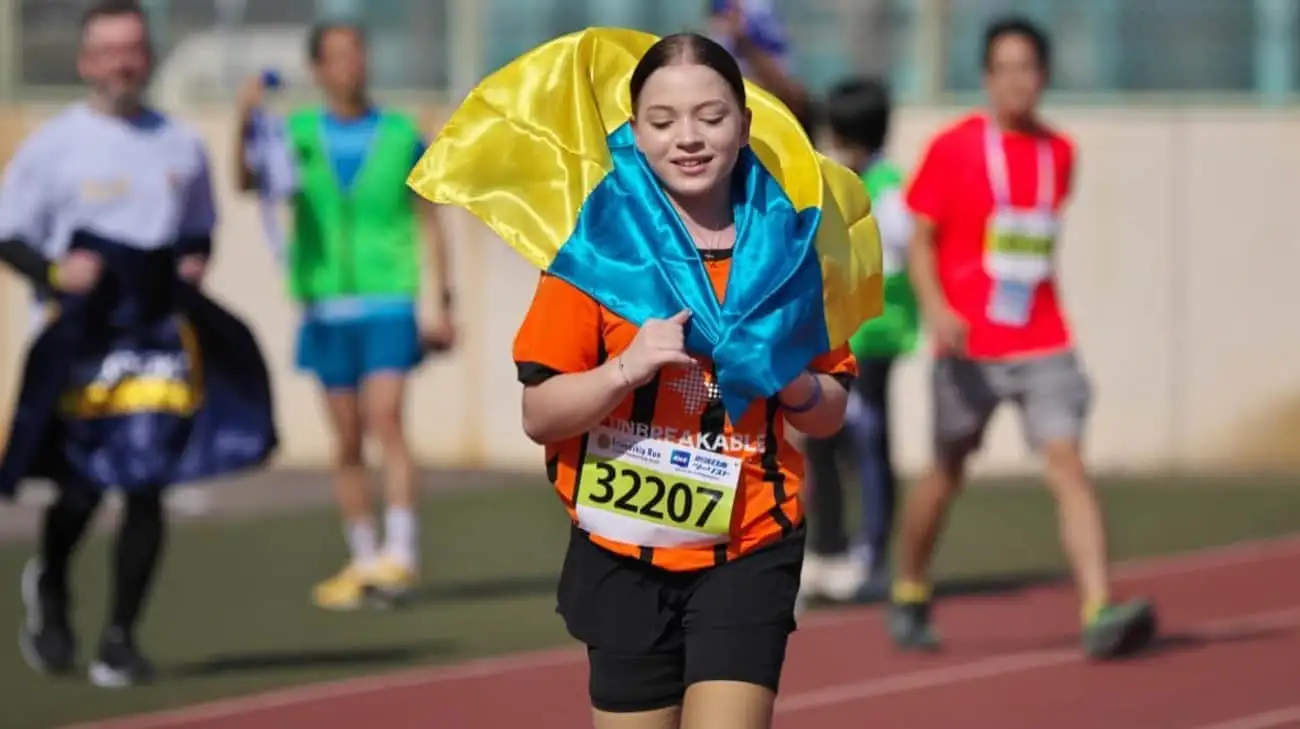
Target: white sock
<point x="363" y="541"/>
<point x="402" y="537"/>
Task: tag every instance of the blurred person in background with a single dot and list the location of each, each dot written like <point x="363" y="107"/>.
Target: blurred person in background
<point x="856" y="114"/>
<point x="108" y="210"/>
<point x="756" y="35"/>
<point x="354" y="266"/>
<point x="986" y="203"/>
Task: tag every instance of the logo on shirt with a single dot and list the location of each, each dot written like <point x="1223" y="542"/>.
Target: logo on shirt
<point x="695" y="386"/>
<point x="104" y="190"/>
<point x="746" y="443"/>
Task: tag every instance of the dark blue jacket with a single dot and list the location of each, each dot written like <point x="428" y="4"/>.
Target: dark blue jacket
<point x="143" y="383"/>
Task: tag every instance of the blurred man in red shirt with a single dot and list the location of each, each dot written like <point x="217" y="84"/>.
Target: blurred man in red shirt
<point x="986" y="202"/>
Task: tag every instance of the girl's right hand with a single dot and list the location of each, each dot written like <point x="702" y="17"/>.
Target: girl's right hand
<point x="659" y="342"/>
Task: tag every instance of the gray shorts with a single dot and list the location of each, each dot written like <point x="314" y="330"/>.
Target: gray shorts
<point x="1052" y="393"/>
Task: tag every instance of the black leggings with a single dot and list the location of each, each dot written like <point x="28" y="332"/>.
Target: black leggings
<point x="139" y="544"/>
<point x="864" y="437"/>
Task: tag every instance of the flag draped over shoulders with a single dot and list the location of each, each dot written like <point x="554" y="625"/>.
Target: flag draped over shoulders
<point x="542" y="151"/>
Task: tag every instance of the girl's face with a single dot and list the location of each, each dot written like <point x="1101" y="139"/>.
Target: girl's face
<point x="691" y="128"/>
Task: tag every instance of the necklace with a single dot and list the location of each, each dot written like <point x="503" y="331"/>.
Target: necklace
<point x="711" y="240"/>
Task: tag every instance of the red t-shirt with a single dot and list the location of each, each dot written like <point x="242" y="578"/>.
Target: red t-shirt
<point x="952" y="190"/>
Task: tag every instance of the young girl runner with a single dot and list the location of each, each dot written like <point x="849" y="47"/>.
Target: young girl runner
<point x="703" y="271"/>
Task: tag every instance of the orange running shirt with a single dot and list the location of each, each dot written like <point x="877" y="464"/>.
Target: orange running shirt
<point x="566" y="331"/>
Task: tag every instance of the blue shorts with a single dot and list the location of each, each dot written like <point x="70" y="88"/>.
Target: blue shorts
<point x="342" y="351"/>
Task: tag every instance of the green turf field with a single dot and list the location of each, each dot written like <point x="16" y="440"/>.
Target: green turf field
<point x="231" y="613"/>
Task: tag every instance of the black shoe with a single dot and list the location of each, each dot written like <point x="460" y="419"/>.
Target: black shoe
<point x="1120" y="630"/>
<point x="45" y="640"/>
<point x="909" y="626"/>
<point x="119" y="663"/>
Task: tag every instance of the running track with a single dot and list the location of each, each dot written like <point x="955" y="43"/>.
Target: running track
<point x="1229" y="659"/>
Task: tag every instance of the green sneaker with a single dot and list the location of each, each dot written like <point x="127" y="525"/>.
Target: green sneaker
<point x="1120" y="630"/>
<point x="909" y="626"/>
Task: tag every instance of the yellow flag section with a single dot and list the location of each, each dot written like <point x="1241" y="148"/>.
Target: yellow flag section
<point x="529" y="145"/>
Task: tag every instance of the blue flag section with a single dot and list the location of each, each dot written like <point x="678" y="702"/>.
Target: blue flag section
<point x="630" y="251"/>
<point x="146" y="382"/>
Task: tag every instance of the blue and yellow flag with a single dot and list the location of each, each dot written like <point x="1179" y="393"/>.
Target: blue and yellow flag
<point x="542" y="152"/>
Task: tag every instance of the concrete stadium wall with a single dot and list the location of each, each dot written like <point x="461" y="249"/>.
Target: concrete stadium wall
<point x="1181" y="268"/>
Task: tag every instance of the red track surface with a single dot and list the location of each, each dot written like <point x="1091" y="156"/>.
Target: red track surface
<point x="1229" y="659"/>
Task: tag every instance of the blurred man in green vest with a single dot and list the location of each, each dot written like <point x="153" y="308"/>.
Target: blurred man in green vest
<point x="353" y="258"/>
<point x="856" y="116"/>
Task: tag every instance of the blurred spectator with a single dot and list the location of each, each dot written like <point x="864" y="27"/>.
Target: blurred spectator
<point x="756" y="35"/>
<point x="108" y="210"/>
<point x="857" y="113"/>
<point x="987" y="200"/>
<point x="353" y="259"/>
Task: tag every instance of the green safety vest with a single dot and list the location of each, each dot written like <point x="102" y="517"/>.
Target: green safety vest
<point x="359" y="241"/>
<point x="896" y="331"/>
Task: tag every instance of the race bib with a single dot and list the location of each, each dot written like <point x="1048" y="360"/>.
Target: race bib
<point x="654" y="493"/>
<point x="1018" y="257"/>
<point x="1019" y="245"/>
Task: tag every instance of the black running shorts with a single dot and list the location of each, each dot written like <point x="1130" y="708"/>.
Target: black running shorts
<point x="650" y="632"/>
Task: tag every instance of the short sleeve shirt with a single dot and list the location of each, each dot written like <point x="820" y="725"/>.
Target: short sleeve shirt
<point x="566" y="331"/>
<point x="951" y="190"/>
<point x="144" y="182"/>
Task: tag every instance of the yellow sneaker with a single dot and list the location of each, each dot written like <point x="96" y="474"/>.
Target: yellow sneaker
<point x="344" y="591"/>
<point x="390" y="577"/>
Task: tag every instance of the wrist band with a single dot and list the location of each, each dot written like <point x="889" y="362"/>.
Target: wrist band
<point x="811" y="402"/>
<point x="626" y="380"/>
<point x="28" y="262"/>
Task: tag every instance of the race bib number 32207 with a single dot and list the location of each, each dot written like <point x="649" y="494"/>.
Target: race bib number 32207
<point x="655" y="493"/>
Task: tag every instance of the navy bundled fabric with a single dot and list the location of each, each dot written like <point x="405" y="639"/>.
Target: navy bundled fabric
<point x="144" y="383"/>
